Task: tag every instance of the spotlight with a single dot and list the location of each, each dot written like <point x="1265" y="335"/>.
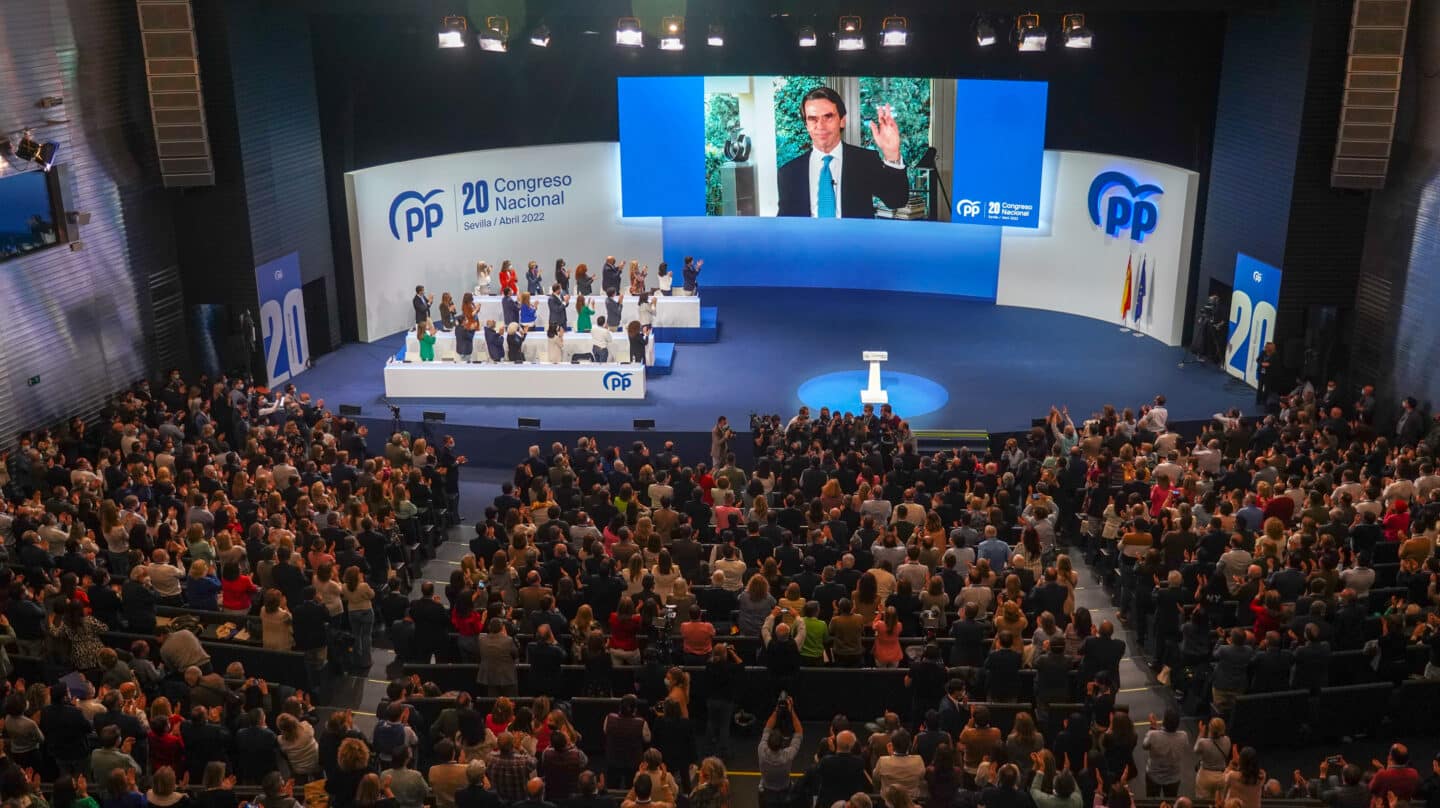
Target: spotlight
<point x="984" y="32"/>
<point x="1028" y="35"/>
<point x="716" y="37"/>
<point x="1077" y="35"/>
<point x="452" y="32"/>
<point x="496" y="36"/>
<point x="849" y="38"/>
<point x="628" y="33"/>
<point x="46" y="157"/>
<point x="540" y="37"/>
<point x="807" y="36"/>
<point x="894" y="32"/>
<point x="672" y="34"/>
<point x="27" y="148"/>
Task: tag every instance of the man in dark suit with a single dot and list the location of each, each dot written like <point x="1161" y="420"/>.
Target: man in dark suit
<point x="835" y="179"/>
<point x="422" y="302"/>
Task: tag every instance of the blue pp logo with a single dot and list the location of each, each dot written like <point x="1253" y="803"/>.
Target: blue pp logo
<point x="1130" y="210"/>
<point x="615" y="381"/>
<point x="420" y="214"/>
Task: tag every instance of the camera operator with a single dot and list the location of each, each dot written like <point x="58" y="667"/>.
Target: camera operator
<point x="778" y="746"/>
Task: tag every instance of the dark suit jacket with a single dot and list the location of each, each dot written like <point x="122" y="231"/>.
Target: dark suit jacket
<point x="864" y="175"/>
<point x="422" y="308"/>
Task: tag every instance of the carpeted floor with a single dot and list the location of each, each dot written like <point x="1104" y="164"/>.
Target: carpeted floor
<point x="998" y="366"/>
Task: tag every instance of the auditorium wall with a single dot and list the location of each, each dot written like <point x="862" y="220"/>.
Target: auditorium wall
<point x="90" y="321"/>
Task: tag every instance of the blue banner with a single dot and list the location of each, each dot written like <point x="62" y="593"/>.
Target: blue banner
<point x="999" y="152"/>
<point x="1252" y="316"/>
<point x="282" y="318"/>
<point x="662" y="145"/>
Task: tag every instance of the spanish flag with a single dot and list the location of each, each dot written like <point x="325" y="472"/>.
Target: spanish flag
<point x="1125" y="297"/>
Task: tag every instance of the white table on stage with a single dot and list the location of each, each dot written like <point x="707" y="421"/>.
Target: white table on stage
<point x="536" y="347"/>
<point x="451" y="380"/>
<point x="670" y="312"/>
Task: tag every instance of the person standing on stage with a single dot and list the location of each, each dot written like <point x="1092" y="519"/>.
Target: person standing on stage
<point x="555" y="343"/>
<point x="720" y="438"/>
<point x="509" y="308"/>
<point x="612" y="309"/>
<point x="665" y="282"/>
<point x="638" y="275"/>
<point x="494" y="342"/>
<point x="610" y="276"/>
<point x="562" y="275"/>
<point x="1265" y="364"/>
<point x="528" y="310"/>
<point x="583" y="314"/>
<point x="482" y="278"/>
<point x="690" y="274"/>
<point x="645" y="310"/>
<point x="639" y="336"/>
<point x="507" y="278"/>
<point x="534" y="284"/>
<point x="584" y="281"/>
<point x="600" y="337"/>
<point x="465" y="335"/>
<point x="558" y="301"/>
<point x="447" y="312"/>
<point x="425" y="333"/>
<point x="515" y="342"/>
<point x="422" y="302"/>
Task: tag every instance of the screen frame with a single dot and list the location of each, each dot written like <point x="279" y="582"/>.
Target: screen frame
<point x="54" y="189"/>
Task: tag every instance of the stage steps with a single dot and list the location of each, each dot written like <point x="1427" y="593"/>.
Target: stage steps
<point x="664" y="360"/>
<point x="708" y="330"/>
<point x="929" y="441"/>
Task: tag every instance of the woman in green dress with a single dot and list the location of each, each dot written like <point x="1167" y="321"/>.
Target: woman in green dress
<point x="427" y="342"/>
<point x="583" y="313"/>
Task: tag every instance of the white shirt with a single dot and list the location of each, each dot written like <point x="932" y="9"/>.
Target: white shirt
<point x="600" y="337"/>
<point x="1155" y="419"/>
<point x="817" y="162"/>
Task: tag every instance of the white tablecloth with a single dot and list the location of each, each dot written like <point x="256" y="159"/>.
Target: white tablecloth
<point x="670" y="312"/>
<point x="449" y="380"/>
<point x="536" y="347"/>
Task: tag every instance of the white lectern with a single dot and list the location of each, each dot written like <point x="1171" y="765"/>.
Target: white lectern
<point x="873" y="394"/>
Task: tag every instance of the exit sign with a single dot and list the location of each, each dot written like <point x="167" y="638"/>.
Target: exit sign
<point x="34" y="380"/>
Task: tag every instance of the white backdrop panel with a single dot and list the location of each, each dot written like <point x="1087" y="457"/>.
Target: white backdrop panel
<point x="1070" y="264"/>
<point x="428" y="221"/>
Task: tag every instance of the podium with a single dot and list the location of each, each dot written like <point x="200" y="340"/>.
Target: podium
<point x="873" y="393"/>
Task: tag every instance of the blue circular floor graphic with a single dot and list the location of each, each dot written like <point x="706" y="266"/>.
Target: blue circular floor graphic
<point x="910" y="395"/>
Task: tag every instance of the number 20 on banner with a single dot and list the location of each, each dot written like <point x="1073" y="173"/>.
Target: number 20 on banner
<point x="282" y="327"/>
<point x="1252" y="324"/>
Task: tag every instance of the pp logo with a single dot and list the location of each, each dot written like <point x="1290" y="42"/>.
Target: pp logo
<point x="1130" y="210"/>
<point x="616" y="381"/>
<point x="421" y="215"/>
<point x="968" y="208"/>
<point x="1257" y="277"/>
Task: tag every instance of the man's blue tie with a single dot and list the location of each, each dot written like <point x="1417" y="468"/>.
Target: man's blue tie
<point x="825" y="194"/>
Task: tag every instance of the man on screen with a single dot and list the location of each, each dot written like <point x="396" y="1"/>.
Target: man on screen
<point x="835" y="179"/>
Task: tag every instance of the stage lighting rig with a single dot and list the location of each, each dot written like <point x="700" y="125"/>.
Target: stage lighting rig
<point x="496" y="36"/>
<point x="628" y="33"/>
<point x="452" y="32"/>
<point x="984" y="32"/>
<point x="672" y="34"/>
<point x="716" y="37"/>
<point x="807" y="37"/>
<point x="894" y="32"/>
<point x="1077" y="34"/>
<point x="540" y="37"/>
<point x="849" y="37"/>
<point x="1029" y="35"/>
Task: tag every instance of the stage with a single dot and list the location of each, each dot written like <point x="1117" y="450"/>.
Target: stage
<point x="995" y="367"/>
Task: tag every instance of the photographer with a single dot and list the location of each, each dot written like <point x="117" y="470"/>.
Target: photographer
<point x="777" y="750"/>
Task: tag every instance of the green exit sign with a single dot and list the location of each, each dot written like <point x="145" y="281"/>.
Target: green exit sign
<point x="34" y="380"/>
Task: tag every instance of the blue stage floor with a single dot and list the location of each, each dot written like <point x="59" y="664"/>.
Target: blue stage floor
<point x="1000" y="366"/>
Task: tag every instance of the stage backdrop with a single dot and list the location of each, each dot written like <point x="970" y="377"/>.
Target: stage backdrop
<point x="1113" y="244"/>
<point x="282" y="318"/>
<point x="1252" y="316"/>
<point x="428" y="221"/>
